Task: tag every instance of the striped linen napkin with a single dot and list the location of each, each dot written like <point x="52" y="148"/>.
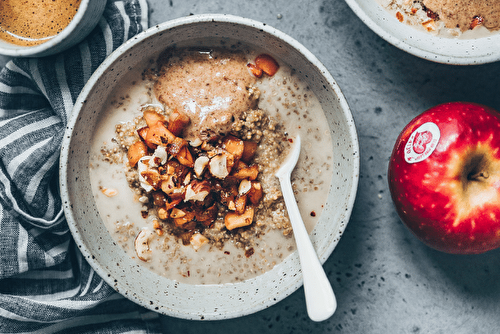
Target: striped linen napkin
<point x="45" y="284"/>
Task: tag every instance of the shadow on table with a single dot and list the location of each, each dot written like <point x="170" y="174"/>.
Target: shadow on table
<point x="473" y="275"/>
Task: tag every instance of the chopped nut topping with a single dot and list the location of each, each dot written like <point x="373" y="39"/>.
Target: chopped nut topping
<point x="200" y="164"/>
<point x="245" y="186"/>
<point x="218" y="166"/>
<point x="194" y="194"/>
<point x="198" y="240"/>
<point x="142" y="245"/>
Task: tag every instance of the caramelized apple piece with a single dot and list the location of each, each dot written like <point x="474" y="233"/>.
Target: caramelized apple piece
<point x="185" y="157"/>
<point x="430" y="25"/>
<point x="152" y="177"/>
<point x="135" y="152"/>
<point x="177" y="122"/>
<point x="159" y="198"/>
<point x="158" y="134"/>
<point x="400" y="17"/>
<point x="476" y="21"/>
<point x="177" y="213"/>
<point x="267" y="63"/>
<point x="172" y="202"/>
<point x="234" y="220"/>
<point x="208" y="216"/>
<point x="152" y="117"/>
<point x="162" y="213"/>
<point x="181" y="221"/>
<point x="240" y="204"/>
<point x="177" y="146"/>
<point x="255" y="193"/>
<point x="173" y="167"/>
<point x="234" y="145"/>
<point x="250" y="173"/>
<point x="249" y="148"/>
<point x="228" y="194"/>
<point x="255" y="70"/>
<point x="143" y="132"/>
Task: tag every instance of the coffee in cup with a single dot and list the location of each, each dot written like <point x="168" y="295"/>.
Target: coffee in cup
<point x="33" y="22"/>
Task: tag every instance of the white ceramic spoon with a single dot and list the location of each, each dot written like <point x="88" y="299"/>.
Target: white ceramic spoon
<point x="320" y="299"/>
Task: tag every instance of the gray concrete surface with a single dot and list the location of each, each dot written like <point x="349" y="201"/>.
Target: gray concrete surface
<point x="385" y="280"/>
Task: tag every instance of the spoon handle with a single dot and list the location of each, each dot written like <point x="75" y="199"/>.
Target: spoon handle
<point x="320" y="299"/>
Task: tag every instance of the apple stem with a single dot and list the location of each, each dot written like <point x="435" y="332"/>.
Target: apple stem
<point x="480" y="175"/>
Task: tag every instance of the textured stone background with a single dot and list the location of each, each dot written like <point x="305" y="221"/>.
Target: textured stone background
<point x="385" y="280"/>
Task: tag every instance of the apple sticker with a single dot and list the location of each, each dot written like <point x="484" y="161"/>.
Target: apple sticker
<point x="422" y="142"/>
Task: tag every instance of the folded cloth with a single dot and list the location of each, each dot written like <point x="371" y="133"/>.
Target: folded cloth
<point x="45" y="284"/>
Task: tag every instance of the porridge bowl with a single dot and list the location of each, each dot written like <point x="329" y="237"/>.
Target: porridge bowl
<point x="183" y="267"/>
<point x="478" y="46"/>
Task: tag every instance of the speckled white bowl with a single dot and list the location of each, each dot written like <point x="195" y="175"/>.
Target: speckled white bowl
<point x="86" y="18"/>
<point x="162" y="294"/>
<point x="421" y="44"/>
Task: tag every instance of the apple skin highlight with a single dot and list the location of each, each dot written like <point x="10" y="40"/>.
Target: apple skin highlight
<point x="448" y="194"/>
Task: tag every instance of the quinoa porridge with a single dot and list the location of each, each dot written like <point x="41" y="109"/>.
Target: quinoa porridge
<point x="448" y="18"/>
<point x="182" y="163"/>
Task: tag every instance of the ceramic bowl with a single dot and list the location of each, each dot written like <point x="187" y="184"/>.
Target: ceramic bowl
<point x="422" y="44"/>
<point x="86" y="18"/>
<point x="215" y="301"/>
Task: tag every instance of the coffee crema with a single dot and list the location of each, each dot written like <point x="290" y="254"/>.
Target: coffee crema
<point x="33" y="22"/>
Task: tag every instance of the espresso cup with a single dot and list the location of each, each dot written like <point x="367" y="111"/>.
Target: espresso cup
<point x="53" y="36"/>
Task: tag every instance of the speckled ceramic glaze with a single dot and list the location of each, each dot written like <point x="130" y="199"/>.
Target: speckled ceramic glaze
<point x="162" y="294"/>
<point x="421" y="44"/>
<point x="86" y="18"/>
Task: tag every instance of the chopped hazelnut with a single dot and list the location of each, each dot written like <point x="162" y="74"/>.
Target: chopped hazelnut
<point x="218" y="166"/>
<point x="198" y="240"/>
<point x="200" y="164"/>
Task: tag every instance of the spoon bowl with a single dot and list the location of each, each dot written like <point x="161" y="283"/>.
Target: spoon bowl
<point x="320" y="299"/>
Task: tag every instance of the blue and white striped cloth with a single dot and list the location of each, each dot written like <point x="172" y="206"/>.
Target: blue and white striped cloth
<point x="45" y="284"/>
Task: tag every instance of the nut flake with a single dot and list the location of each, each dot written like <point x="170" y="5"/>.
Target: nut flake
<point x="198" y="240"/>
<point x="142" y="247"/>
<point x="218" y="166"/>
<point x="200" y="164"/>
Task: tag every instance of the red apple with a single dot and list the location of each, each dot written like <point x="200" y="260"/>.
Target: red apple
<point x="444" y="177"/>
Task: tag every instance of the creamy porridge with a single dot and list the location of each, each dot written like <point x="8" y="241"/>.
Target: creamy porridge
<point x="169" y="203"/>
<point x="457" y="18"/>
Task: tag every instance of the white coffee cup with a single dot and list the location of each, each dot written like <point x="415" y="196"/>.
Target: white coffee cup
<point x="86" y="18"/>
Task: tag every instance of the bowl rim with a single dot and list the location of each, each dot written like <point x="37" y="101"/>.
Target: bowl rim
<point x="407" y="45"/>
<point x="27" y="51"/>
<point x="215" y="18"/>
